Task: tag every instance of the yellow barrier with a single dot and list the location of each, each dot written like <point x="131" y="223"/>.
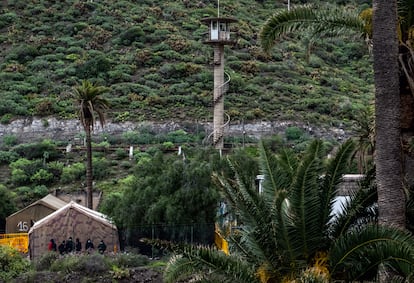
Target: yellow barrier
<point x="221" y="243"/>
<point x="19" y="241"/>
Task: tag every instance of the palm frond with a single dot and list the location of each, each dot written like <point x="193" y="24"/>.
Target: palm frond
<point x="406" y="14"/>
<point x="240" y="197"/>
<point x="360" y="251"/>
<point x="204" y="263"/>
<point x="359" y="210"/>
<point x="304" y="203"/>
<point x="288" y="161"/>
<point x="259" y="235"/>
<point x="268" y="165"/>
<point x="89" y="100"/>
<point x="323" y="22"/>
<point x="336" y="168"/>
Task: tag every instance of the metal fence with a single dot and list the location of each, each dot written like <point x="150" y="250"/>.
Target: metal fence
<point x="178" y="233"/>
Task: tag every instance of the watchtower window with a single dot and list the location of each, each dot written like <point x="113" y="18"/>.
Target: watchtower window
<point x="214" y="32"/>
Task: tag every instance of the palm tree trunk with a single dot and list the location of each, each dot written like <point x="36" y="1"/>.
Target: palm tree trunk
<point x="89" y="173"/>
<point x="391" y="200"/>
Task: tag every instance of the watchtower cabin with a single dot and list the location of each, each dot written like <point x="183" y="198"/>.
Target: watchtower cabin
<point x="219" y="30"/>
<point x="218" y="36"/>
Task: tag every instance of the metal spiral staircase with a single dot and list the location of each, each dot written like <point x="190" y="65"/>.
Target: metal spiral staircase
<point x="217" y="134"/>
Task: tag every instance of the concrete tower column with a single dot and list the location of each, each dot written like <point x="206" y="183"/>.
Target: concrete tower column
<point x="218" y="119"/>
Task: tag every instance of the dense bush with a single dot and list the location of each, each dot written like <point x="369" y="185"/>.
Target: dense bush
<point x="7" y="18"/>
<point x="159" y="55"/>
<point x="130" y="260"/>
<point x="42" y="176"/>
<point x="45" y="261"/>
<point x="7" y="205"/>
<point x="7" y="157"/>
<point x="143" y="136"/>
<point x="72" y="173"/>
<point x="23" y="53"/>
<point x="93" y="67"/>
<point x="101" y="168"/>
<point x="46" y="150"/>
<point x="130" y="35"/>
<point x="12" y="263"/>
<point x="293" y="133"/>
<point x="26" y="195"/>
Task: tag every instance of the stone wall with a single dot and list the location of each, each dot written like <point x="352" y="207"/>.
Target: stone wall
<point x="34" y="129"/>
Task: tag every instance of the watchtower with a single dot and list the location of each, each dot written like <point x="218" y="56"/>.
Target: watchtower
<point x="218" y="36"/>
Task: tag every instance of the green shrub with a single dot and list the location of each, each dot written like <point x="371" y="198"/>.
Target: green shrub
<point x="42" y="176"/>
<point x="167" y="145"/>
<point x="79" y="26"/>
<point x="100" y="168"/>
<point x="125" y="164"/>
<point x="293" y="133"/>
<point x="93" y="264"/>
<point x="45" y="261"/>
<point x="9" y="140"/>
<point x="72" y="173"/>
<point x="44" y="150"/>
<point x="144" y="136"/>
<point x="19" y="177"/>
<point x="12" y="263"/>
<point x="23" y="53"/>
<point x="179" y="136"/>
<point x="87" y="264"/>
<point x="130" y="35"/>
<point x="66" y="264"/>
<point x="26" y="194"/>
<point x="94" y="67"/>
<point x="6" y="118"/>
<point x="7" y="157"/>
<point x="7" y="18"/>
<point x="130" y="260"/>
<point x="121" y="153"/>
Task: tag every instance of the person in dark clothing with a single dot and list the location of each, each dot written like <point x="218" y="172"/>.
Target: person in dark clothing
<point x="89" y="246"/>
<point x="52" y="245"/>
<point x="78" y="245"/>
<point x="69" y="245"/>
<point x="62" y="248"/>
<point x="101" y="247"/>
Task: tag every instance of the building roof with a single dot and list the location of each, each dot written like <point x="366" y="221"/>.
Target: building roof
<point x="220" y="19"/>
<point x="49" y="201"/>
<point x="100" y="217"/>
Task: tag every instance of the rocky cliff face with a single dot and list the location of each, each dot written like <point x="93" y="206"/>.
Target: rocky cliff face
<point x="35" y="129"/>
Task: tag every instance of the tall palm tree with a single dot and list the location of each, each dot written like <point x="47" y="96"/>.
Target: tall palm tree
<point x="90" y="103"/>
<point x="289" y="233"/>
<point x="331" y="22"/>
<point x="387" y="114"/>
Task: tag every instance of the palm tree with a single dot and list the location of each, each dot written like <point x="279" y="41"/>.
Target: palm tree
<point x="90" y="103"/>
<point x="391" y="198"/>
<point x="289" y="232"/>
<point x="328" y="22"/>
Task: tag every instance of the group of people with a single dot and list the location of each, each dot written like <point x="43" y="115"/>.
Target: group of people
<point x="68" y="246"/>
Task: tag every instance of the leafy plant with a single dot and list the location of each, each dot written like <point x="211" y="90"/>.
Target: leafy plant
<point x="12" y="263"/>
<point x="289" y="232"/>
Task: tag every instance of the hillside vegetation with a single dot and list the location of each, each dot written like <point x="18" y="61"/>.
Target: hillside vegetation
<point x="151" y="55"/>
